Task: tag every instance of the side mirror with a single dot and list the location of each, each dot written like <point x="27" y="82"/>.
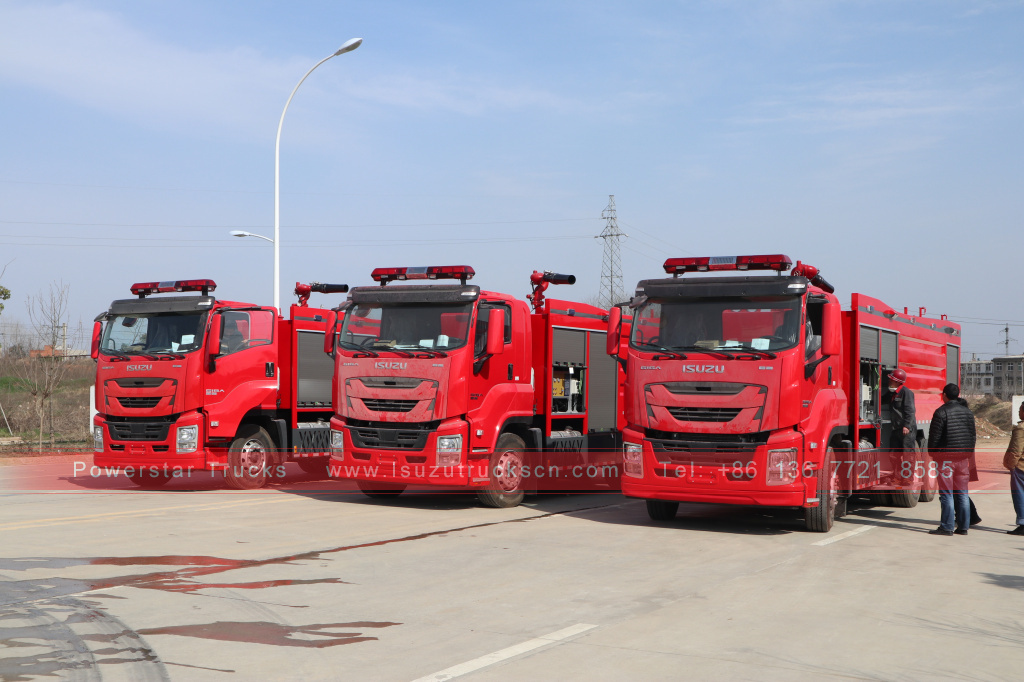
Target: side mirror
<point x="495" y="332"/>
<point x="832" y="330"/>
<point x="97" y="329"/>
<point x="213" y="341"/>
<point x="331" y="322"/>
<point x="614" y="338"/>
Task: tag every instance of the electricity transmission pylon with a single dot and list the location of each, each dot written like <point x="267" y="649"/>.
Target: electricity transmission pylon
<point x="611" y="291"/>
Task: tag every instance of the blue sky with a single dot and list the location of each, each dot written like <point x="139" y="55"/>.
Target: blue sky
<point x="879" y="140"/>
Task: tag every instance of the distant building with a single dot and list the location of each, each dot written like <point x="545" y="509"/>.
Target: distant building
<point x="49" y="351"/>
<point x="976" y="377"/>
<point x="1008" y="376"/>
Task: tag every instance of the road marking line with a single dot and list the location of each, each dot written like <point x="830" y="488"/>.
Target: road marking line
<point x="61" y="521"/>
<point x="843" y="536"/>
<point x="505" y="654"/>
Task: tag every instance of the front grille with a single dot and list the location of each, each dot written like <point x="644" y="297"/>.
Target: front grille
<point x="388" y="439"/>
<point x="704" y="414"/>
<point x="139" y="403"/>
<point x="140" y="382"/>
<point x="138" y="430"/>
<point x="384" y="405"/>
<point x="710" y="449"/>
<point x="391" y="382"/>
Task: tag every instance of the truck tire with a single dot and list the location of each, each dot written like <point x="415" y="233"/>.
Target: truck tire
<point x="662" y="510"/>
<point x="380" y="491"/>
<point x="930" y="483"/>
<point x="315" y="466"/>
<point x="505" y="470"/>
<point x="143" y="479"/>
<point x="819" y="519"/>
<point x="907" y="499"/>
<point x="249" y="457"/>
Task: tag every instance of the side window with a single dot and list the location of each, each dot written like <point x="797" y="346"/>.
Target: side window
<point x="812" y="339"/>
<point x="480" y="340"/>
<point x="245" y="329"/>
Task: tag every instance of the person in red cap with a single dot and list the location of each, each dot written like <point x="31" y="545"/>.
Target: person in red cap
<point x="903" y="413"/>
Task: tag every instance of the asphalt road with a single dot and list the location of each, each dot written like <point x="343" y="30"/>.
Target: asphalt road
<point x="301" y="583"/>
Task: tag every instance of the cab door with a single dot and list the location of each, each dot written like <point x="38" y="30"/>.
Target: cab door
<point x="244" y="375"/>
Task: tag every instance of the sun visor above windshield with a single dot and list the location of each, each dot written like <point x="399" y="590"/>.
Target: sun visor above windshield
<point x="416" y="293"/>
<point x="166" y="304"/>
<point x="713" y="287"/>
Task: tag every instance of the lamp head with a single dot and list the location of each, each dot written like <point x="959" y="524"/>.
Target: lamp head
<point x="349" y="46"/>
<point x="239" y="233"/>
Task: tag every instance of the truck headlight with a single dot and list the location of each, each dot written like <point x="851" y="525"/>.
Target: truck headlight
<point x="633" y="460"/>
<point x="188" y="438"/>
<point x="97" y="438"/>
<point x="449" y="451"/>
<point x="337" y="444"/>
<point x="782" y="466"/>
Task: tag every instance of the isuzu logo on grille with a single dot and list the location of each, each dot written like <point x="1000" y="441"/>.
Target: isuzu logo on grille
<point x="138" y="368"/>
<point x="703" y="369"/>
<point x="383" y="364"/>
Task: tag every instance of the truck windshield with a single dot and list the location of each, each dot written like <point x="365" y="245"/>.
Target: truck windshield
<point x="406" y="326"/>
<point x="147" y="333"/>
<point x="765" y="323"/>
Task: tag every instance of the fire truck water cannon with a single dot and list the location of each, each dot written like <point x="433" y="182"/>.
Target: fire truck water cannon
<point x="143" y="289"/>
<point x="459" y="272"/>
<point x="811" y="273"/>
<point x="540" y="282"/>
<point x="303" y="291"/>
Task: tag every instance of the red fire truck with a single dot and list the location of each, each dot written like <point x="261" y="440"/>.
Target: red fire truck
<point x="760" y="390"/>
<point x="191" y="383"/>
<point x="447" y="385"/>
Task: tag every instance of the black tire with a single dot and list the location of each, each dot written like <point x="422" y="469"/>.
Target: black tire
<point x="505" y="469"/>
<point x="380" y="491"/>
<point x="249" y="457"/>
<point x="819" y="519"/>
<point x="930" y="484"/>
<point x="314" y="466"/>
<point x="662" y="510"/>
<point x="144" y="479"/>
<point x="908" y="498"/>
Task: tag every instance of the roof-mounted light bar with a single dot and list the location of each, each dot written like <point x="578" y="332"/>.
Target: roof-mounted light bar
<point x="459" y="272"/>
<point x="779" y="262"/>
<point x="143" y="289"/>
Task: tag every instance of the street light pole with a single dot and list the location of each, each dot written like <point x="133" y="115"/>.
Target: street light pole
<point x="347" y="47"/>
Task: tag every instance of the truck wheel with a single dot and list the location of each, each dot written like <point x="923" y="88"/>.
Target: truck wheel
<point x="315" y="466"/>
<point x="143" y="479"/>
<point x="662" y="510"/>
<point x="380" y="491"/>
<point x="819" y="519"/>
<point x="249" y="457"/>
<point x="907" y="499"/>
<point x="505" y="470"/>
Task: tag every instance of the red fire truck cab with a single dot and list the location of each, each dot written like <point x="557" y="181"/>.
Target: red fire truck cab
<point x="761" y="390"/>
<point x="447" y="385"/>
<point x="192" y="383"/>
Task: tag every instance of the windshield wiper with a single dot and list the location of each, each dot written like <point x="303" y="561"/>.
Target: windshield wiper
<point x="757" y="352"/>
<point x="118" y="353"/>
<point x="433" y="352"/>
<point x="670" y="353"/>
<point x="172" y="354"/>
<point x="698" y="349"/>
<point x="360" y="349"/>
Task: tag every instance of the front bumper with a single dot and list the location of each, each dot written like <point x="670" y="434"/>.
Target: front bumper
<point x="147" y="445"/>
<point x="387" y="453"/>
<point x="742" y="481"/>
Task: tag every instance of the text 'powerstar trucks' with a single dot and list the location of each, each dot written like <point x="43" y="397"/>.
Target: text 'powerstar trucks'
<point x="192" y="383"/>
<point x="760" y="390"/>
<point x="447" y="385"/>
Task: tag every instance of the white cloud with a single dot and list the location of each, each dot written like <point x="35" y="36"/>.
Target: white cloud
<point x="97" y="59"/>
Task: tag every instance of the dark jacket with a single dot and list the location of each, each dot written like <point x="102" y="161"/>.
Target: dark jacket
<point x="952" y="431"/>
<point x="903" y="411"/>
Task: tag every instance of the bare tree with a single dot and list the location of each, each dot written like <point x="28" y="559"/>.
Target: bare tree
<point x="44" y="371"/>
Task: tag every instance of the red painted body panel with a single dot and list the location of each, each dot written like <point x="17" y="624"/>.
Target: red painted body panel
<point x="512" y="387"/>
<point x="216" y="402"/>
<point x="794" y="411"/>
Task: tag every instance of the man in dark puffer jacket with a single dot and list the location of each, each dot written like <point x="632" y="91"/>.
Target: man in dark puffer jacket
<point x="951" y="440"/>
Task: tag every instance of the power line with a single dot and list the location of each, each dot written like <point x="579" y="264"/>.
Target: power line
<point x="321" y="227"/>
<point x="190" y="244"/>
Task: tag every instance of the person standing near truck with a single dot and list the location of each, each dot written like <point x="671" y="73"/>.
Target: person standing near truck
<point x="1013" y="461"/>
<point x="903" y="437"/>
<point x="951" y="440"/>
